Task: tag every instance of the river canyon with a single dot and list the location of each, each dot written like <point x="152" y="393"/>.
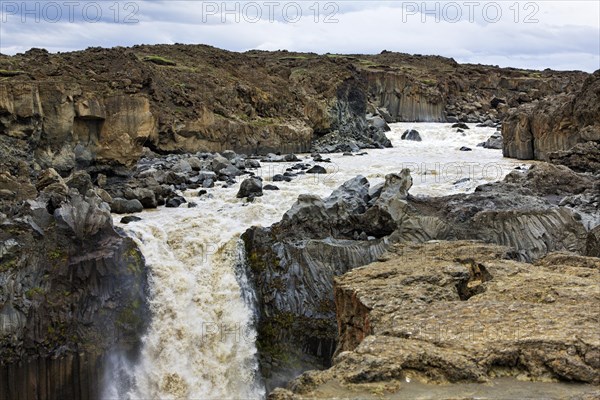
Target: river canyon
<point x="182" y="222"/>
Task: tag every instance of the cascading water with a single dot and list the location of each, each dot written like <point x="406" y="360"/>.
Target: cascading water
<point x="201" y="340"/>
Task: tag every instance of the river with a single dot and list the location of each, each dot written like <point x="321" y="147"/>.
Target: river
<point x="201" y="340"/>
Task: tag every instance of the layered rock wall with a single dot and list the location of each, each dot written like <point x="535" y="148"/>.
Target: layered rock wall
<point x="555" y="123"/>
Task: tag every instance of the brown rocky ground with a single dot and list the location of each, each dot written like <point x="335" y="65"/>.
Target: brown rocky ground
<point x="461" y="312"/>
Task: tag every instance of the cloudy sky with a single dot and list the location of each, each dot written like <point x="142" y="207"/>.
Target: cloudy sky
<point x="525" y="34"/>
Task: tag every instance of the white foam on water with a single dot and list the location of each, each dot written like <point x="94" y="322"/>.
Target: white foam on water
<point x="201" y="340"/>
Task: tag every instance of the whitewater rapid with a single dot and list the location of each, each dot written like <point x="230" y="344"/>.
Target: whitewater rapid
<point x="201" y="340"/>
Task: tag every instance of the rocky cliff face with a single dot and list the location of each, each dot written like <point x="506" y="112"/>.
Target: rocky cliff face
<point x="292" y="265"/>
<point x="437" y="89"/>
<point x="103" y="106"/>
<point x="555" y="123"/>
<point x="69" y="128"/>
<point x="460" y="311"/>
<point x="72" y="290"/>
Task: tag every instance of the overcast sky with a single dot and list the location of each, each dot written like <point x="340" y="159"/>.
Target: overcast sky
<point x="539" y="34"/>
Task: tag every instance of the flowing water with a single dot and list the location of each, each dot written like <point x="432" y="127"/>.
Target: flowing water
<point x="201" y="340"/>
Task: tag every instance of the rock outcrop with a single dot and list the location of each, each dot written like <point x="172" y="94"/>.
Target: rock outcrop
<point x="461" y="311"/>
<point x="438" y="89"/>
<point x="72" y="290"/>
<point x="293" y="262"/>
<point x="583" y="157"/>
<point x="534" y="212"/>
<point x="494" y="142"/>
<point x="555" y="123"/>
<point x="292" y="265"/>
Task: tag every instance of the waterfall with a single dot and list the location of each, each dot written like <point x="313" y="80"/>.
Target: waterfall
<point x="201" y="340"/>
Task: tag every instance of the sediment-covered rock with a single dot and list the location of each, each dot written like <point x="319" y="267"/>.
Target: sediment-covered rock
<point x="461" y="311"/>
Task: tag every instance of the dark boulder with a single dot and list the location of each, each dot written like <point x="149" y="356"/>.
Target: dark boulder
<point x="123" y="206"/>
<point x="495" y="102"/>
<point x="290" y="158"/>
<point x="317" y="169"/>
<point x="411" y="134"/>
<point x="281" y="178"/>
<point x="253" y="164"/>
<point x="175" y="202"/>
<point x="494" y="142"/>
<point x="229" y="154"/>
<point x="250" y="188"/>
<point x="130" y="218"/>
<point x="81" y="181"/>
<point x="146" y="197"/>
<point x="460" y="125"/>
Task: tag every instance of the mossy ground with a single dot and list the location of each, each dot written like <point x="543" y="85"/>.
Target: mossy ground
<point x="159" y="60"/>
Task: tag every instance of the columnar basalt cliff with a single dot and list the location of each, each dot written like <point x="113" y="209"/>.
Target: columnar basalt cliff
<point x="438" y="89"/>
<point x="556" y="123"/>
<point x="72" y="290"/>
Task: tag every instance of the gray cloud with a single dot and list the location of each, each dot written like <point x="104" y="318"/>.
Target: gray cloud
<point x="565" y="36"/>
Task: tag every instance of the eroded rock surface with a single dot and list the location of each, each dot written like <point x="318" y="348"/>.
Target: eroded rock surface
<point x="293" y="263"/>
<point x="461" y="311"/>
<point x="199" y="98"/>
